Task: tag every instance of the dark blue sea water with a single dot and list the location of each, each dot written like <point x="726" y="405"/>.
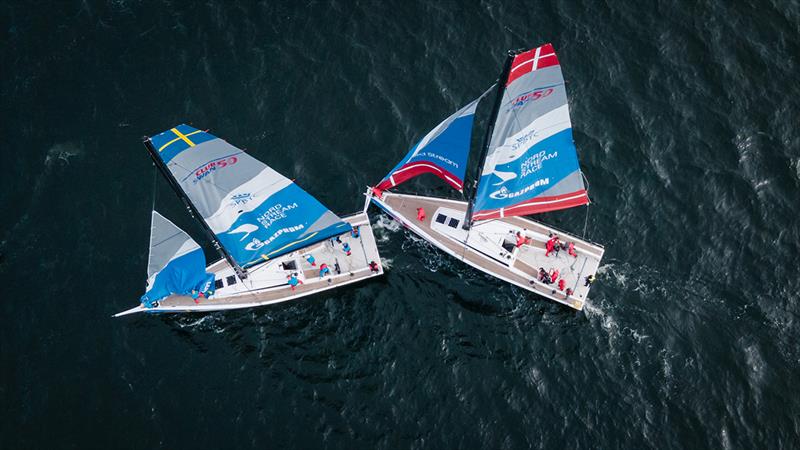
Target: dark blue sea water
<point x="686" y="119"/>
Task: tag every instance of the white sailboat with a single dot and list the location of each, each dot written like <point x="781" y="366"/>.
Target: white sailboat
<point x="528" y="165"/>
<point x="277" y="242"/>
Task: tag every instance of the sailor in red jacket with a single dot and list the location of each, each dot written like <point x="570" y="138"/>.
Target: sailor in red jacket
<point x="421" y="214"/>
<point x="571" y="249"/>
<point x="553" y="275"/>
<point x="550" y="245"/>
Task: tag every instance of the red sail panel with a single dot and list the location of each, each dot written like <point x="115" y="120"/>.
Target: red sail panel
<point x="534" y="59"/>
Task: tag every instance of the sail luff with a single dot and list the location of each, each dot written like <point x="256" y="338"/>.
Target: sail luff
<point x="501" y="84"/>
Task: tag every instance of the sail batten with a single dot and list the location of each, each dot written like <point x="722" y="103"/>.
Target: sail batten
<point x="532" y="164"/>
<point x="254" y="212"/>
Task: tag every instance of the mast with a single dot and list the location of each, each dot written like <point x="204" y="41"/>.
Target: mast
<point x="242" y="273"/>
<point x="501" y="87"/>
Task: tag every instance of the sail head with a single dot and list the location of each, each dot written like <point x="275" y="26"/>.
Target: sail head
<point x="532" y="164"/>
<point x="176" y="264"/>
<point x="256" y="213"/>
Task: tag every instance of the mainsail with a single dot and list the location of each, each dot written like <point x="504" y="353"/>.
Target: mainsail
<point x="176" y="264"/>
<point x="256" y="213"/>
<point x="531" y="165"/>
<point x="442" y="152"/>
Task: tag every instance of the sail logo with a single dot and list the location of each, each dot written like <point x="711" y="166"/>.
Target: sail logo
<point x="257" y="243"/>
<point x="241" y="199"/>
<point x="503" y="193"/>
<point x="209" y="168"/>
<point x="534" y="163"/>
<point x="274" y="214"/>
<point x="530" y="96"/>
<point x="441" y="158"/>
<point x="246" y="229"/>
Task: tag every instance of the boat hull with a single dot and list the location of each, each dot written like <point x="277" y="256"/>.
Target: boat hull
<point x="267" y="283"/>
<point x="482" y="247"/>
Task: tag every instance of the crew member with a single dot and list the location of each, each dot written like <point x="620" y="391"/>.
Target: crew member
<point x="373" y="267"/>
<point x="561" y="284"/>
<point x="324" y="270"/>
<point x="421" y="214"/>
<point x="571" y="249"/>
<point x="355" y="233"/>
<point x="346" y="248"/>
<point x="311" y="260"/>
<point x="589" y="280"/>
<point x="293" y="281"/>
<point x="196" y="296"/>
<point x="553" y="275"/>
<point x="550" y="246"/>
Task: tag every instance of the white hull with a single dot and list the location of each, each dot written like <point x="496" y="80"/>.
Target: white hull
<point x="483" y="246"/>
<point x="267" y="284"/>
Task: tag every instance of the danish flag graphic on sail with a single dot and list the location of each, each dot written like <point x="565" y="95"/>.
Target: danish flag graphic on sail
<point x="532" y="164"/>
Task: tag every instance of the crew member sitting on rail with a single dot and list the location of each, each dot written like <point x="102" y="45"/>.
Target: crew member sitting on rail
<point x="421" y="214"/>
<point x="373" y="266"/>
<point x="324" y="270"/>
<point x="293" y="281"/>
<point x="589" y="280"/>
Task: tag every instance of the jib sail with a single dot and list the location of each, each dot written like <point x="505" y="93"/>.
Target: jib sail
<point x="176" y="264"/>
<point x="443" y="151"/>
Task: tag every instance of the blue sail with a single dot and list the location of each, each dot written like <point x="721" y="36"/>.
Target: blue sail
<point x="256" y="213"/>
<point x="176" y="264"/>
<point x="442" y="152"/>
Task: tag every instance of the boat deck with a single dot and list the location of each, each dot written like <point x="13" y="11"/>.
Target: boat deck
<point x="247" y="293"/>
<point x="519" y="266"/>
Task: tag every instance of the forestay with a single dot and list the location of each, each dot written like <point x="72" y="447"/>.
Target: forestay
<point x="176" y="264"/>
<point x="255" y="212"/>
<point x="443" y="151"/>
<point x="532" y="165"/>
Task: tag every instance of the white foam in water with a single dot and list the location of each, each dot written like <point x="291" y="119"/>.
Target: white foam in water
<point x="61" y="153"/>
<point x="383" y="226"/>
